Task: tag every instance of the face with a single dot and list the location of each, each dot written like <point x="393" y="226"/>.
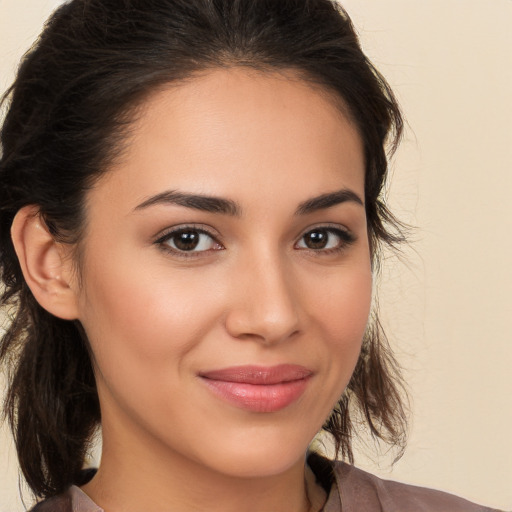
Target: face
<point x="225" y="282"/>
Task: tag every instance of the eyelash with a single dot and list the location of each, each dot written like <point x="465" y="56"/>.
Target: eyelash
<point x="346" y="239"/>
<point x="172" y="233"/>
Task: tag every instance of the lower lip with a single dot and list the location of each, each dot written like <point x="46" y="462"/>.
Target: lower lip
<point x="256" y="397"/>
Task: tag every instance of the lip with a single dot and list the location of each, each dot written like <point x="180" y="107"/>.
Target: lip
<point x="259" y="388"/>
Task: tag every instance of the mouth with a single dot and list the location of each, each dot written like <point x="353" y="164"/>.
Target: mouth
<point x="258" y="388"/>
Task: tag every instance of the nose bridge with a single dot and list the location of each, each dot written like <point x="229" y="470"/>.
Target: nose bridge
<point x="267" y="306"/>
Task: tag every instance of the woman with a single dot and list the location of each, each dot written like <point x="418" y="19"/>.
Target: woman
<point x="190" y="220"/>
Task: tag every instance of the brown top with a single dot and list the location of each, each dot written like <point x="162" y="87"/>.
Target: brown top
<point x="348" y="489"/>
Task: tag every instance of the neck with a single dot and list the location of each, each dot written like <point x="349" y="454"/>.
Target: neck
<point x="136" y="476"/>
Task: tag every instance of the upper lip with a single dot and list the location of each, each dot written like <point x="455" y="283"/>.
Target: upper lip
<point x="262" y="375"/>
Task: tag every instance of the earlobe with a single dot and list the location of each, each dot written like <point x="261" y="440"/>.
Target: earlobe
<point x="45" y="266"/>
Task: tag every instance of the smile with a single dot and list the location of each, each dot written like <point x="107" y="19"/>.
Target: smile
<point x="257" y="388"/>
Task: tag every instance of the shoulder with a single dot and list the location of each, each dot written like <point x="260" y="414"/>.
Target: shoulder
<point x="73" y="499"/>
<point x="360" y="490"/>
<point x="61" y="503"/>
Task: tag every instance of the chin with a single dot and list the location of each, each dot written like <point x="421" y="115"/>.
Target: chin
<point x="260" y="458"/>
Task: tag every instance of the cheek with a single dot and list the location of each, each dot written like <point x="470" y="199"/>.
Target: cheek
<point x="138" y="319"/>
<point x="343" y="304"/>
<point x="142" y="329"/>
<point x="342" y="310"/>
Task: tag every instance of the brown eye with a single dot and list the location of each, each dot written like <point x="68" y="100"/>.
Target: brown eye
<point x="186" y="240"/>
<point x="189" y="240"/>
<point x="325" y="239"/>
<point x="317" y="239"/>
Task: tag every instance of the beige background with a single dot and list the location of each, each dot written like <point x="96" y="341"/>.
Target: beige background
<point x="447" y="308"/>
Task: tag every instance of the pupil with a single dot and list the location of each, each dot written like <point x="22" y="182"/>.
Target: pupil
<point x="187" y="240"/>
<point x="316" y="239"/>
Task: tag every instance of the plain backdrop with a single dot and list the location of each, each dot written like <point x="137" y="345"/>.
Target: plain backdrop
<point x="447" y="304"/>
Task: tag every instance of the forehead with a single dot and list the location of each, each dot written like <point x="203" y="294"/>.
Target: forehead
<point x="236" y="131"/>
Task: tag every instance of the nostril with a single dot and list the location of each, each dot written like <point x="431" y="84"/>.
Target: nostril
<point x="264" y="323"/>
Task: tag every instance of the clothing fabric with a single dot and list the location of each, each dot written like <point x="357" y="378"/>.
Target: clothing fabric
<point x="348" y="489"/>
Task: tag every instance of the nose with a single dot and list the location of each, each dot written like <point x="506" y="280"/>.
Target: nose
<point x="265" y="305"/>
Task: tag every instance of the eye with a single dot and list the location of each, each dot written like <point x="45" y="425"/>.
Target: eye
<point x="188" y="240"/>
<point x="325" y="239"/>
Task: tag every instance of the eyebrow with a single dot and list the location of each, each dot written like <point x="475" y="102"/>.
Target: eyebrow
<point x="328" y="201"/>
<point x="195" y="201"/>
<point x="229" y="207"/>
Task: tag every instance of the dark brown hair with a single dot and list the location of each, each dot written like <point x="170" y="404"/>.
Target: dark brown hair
<point x="67" y="114"/>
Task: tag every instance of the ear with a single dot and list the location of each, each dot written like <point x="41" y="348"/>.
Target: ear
<point x="46" y="264"/>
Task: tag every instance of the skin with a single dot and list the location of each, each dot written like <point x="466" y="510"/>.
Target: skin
<point x="254" y="293"/>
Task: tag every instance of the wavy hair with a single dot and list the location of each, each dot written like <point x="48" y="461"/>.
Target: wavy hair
<point x="67" y="115"/>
